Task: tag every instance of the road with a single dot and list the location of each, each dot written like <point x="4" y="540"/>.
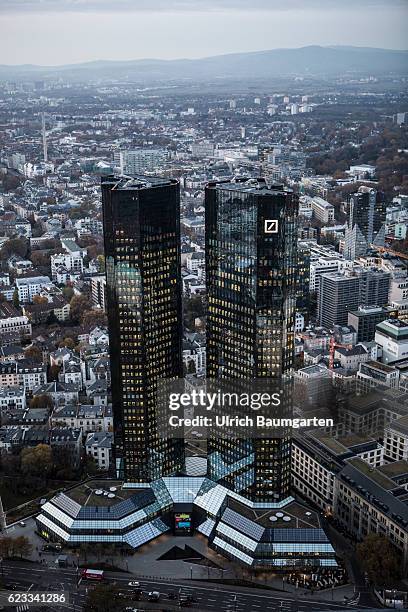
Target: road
<point x="212" y="597"/>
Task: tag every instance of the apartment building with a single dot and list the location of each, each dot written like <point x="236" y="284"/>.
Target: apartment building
<point x="396" y="439"/>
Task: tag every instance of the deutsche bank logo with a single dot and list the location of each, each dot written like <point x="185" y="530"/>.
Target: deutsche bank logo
<point x="271" y="226"/>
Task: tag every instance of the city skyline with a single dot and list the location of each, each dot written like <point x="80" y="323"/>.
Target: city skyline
<point x="201" y="261"/>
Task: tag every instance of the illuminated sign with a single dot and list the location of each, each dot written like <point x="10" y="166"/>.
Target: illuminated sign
<point x="271" y="226"/>
<point x="182" y="521"/>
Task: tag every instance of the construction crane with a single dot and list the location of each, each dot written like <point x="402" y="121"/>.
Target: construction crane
<point x="332" y="347"/>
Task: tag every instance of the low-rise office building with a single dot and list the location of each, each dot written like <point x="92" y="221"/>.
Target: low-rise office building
<point x="284" y="535"/>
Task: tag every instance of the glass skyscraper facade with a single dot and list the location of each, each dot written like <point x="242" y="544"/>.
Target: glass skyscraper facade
<point x="251" y="253"/>
<point x="142" y="249"/>
<point x="366" y="222"/>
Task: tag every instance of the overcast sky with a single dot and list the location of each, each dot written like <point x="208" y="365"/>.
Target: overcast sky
<point x="53" y="32"/>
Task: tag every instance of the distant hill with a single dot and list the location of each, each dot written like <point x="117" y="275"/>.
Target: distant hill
<point x="312" y="61"/>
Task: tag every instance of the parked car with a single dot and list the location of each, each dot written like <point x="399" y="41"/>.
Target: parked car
<point x="154" y="596"/>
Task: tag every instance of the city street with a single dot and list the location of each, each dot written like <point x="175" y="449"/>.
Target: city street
<point x="213" y="597"/>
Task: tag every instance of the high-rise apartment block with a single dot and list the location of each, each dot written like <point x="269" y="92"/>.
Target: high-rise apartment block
<point x="138" y="161"/>
<point x="142" y="249"/>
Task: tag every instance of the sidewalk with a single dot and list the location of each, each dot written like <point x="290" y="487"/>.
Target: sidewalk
<point x="145" y="563"/>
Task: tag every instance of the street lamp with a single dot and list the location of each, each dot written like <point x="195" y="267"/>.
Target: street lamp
<point x="77" y="571"/>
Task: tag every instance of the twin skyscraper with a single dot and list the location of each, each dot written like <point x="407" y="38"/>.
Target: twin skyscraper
<point x="251" y="259"/>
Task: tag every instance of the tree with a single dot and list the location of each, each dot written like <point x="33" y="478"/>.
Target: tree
<point x="79" y="304"/>
<point x="42" y="401"/>
<point x="380" y="559"/>
<point x="10" y="466"/>
<point x="53" y="372"/>
<point x="40" y="299"/>
<point x="16" y="299"/>
<point x="14" y="246"/>
<point x="90" y="466"/>
<point x="4" y="547"/>
<point x="95" y="318"/>
<point x="193" y="308"/>
<point x="68" y="293"/>
<point x="33" y="352"/>
<point x="68" y="343"/>
<point x="40" y="259"/>
<point x="11" y="547"/>
<point x="101" y="263"/>
<point x="10" y="182"/>
<point x="37" y="461"/>
<point x="22" y="546"/>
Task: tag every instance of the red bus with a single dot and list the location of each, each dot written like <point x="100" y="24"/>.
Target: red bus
<point x="91" y="574"/>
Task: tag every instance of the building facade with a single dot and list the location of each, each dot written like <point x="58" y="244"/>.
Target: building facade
<point x="366" y="223"/>
<point x="251" y="283"/>
<point x="142" y="250"/>
<point x="338" y="293"/>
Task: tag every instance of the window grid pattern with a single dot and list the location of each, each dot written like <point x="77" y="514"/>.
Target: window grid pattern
<point x="207" y="527"/>
<point x="237" y="537"/>
<point x="241" y="523"/>
<point x="234" y="552"/>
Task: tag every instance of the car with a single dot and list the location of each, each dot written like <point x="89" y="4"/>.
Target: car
<point x="134" y="583"/>
<point x="172" y="595"/>
<point x="136" y="594"/>
<point x="188" y="598"/>
<point x="51" y="547"/>
<point x="22" y="524"/>
<point x="153" y="596"/>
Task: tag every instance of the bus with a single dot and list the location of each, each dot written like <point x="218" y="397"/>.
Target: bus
<point x="91" y="574"/>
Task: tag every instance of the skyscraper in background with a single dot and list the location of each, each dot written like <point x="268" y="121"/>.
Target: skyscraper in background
<point x="142" y="249"/>
<point x="251" y="242"/>
<point x="138" y="161"/>
<point x="339" y="293"/>
<point x="366" y="222"/>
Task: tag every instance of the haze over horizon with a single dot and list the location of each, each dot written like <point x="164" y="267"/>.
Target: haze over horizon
<point x="205" y="57"/>
<point x="75" y="31"/>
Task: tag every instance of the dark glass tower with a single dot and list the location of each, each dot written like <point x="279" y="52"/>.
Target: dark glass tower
<point x="366" y="222"/>
<point x="142" y="249"/>
<point x="251" y="240"/>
